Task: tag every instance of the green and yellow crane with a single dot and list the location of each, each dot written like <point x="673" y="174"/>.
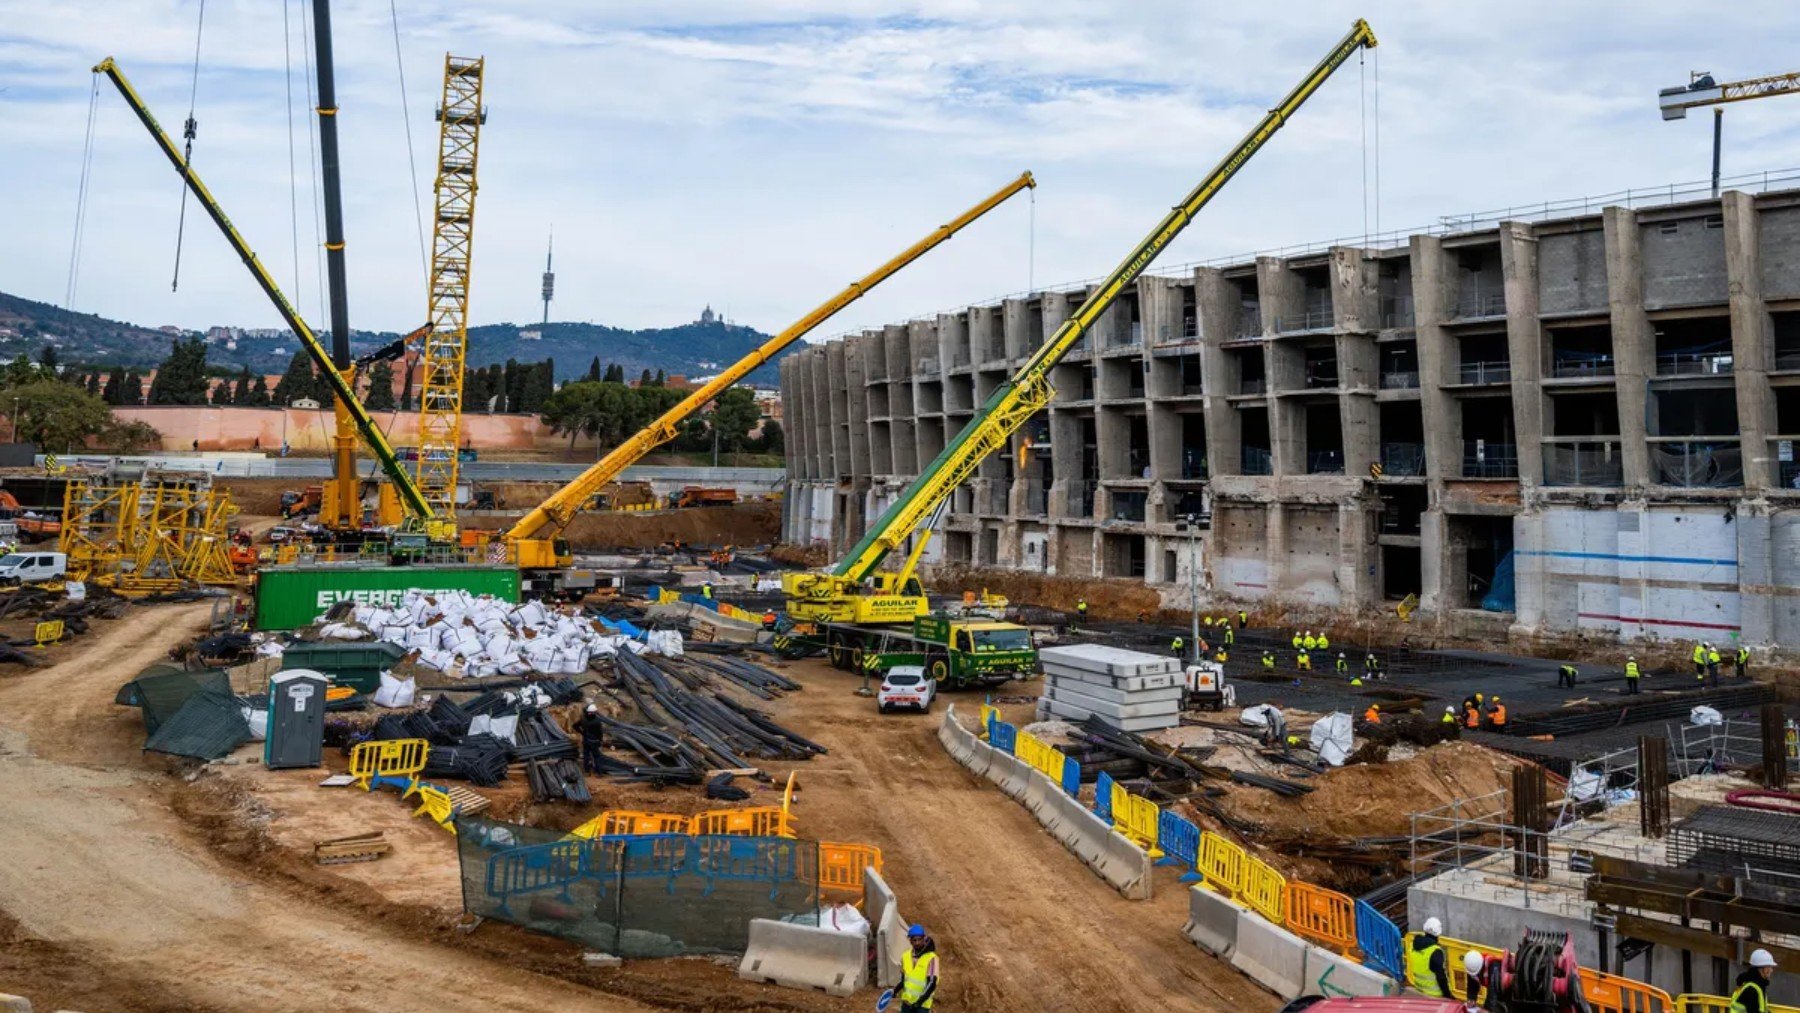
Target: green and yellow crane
<point x="853" y="605"/>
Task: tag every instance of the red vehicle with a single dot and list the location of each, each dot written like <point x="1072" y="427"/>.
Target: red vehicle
<point x="1373" y="1004"/>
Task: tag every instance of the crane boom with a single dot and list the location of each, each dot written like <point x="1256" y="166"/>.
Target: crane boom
<point x="321" y="356"/>
<point x="1675" y="102"/>
<point x="460" y="116"/>
<point x="1028" y="391"/>
<point x="555" y="513"/>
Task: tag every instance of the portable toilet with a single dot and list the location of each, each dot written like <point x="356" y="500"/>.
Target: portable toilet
<point x="296" y="735"/>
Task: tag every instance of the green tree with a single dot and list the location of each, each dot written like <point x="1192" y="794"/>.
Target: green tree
<point x="593" y="373"/>
<point x="297" y="382"/>
<point x="615" y="373"/>
<point x="240" y="389"/>
<point x="47" y="360"/>
<point x="114" y="389"/>
<point x="772" y="440"/>
<point x="19" y="372"/>
<point x="181" y="378"/>
<point x="131" y="437"/>
<point x="734" y="414"/>
<point x="539" y="383"/>
<point x="660" y="378"/>
<point x="56" y="416"/>
<point x="92" y="383"/>
<point x="132" y="390"/>
<point x="381" y="387"/>
<point x="406" y="391"/>
<point x="259" y="393"/>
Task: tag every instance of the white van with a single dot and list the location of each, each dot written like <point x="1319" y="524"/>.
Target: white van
<point x="32" y="567"/>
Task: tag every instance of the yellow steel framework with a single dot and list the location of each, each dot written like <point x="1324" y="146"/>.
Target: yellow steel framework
<point x="147" y="537"/>
<point x="460" y="115"/>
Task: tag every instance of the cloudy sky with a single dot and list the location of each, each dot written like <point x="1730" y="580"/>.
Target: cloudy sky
<point x="759" y="154"/>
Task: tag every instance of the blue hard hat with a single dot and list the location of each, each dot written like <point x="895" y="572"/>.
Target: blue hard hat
<point x="915" y="931"/>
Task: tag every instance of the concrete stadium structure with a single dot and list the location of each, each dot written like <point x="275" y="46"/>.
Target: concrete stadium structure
<point x="1605" y="401"/>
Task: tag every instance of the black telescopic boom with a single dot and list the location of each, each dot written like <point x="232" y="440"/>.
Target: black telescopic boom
<point x="334" y="201"/>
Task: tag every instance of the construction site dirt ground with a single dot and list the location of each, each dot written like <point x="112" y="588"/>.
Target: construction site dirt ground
<point x="135" y="883"/>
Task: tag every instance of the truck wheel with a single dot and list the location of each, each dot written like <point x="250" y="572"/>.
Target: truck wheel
<point x="939" y="669"/>
<point x="840" y="651"/>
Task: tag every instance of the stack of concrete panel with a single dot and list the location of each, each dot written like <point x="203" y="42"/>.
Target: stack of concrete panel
<point x="1129" y="690"/>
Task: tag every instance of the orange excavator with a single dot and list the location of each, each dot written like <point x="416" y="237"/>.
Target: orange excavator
<point x="32" y="527"/>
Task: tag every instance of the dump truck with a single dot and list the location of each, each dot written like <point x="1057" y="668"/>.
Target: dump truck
<point x="700" y="496"/>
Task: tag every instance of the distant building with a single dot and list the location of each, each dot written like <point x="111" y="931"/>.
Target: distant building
<point x="531" y="335"/>
<point x="707" y="316"/>
<point x="170" y="329"/>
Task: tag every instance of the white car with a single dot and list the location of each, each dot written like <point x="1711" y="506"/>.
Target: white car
<point x="906" y="686"/>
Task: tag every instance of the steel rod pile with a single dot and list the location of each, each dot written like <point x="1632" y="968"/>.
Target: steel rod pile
<point x="1098" y="733"/>
<point x="721" y="730"/>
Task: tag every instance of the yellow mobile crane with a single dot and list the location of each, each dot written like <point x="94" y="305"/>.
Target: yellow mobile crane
<point x="852" y="594"/>
<point x="535" y="542"/>
<point x="340" y="385"/>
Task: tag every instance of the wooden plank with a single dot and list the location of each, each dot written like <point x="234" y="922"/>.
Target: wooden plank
<point x="1703" y="942"/>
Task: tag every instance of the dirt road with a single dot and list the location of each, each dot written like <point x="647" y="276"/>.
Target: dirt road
<point x="1021" y="923"/>
<point x="110" y="903"/>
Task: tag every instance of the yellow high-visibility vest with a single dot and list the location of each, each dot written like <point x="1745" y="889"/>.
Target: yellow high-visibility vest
<point x="914" y="980"/>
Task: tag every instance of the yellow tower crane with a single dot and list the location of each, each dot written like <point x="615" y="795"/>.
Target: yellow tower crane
<point x="460" y="116"/>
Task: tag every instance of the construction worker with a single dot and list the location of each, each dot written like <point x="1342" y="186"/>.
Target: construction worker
<point x="1371" y="665"/>
<point x="1742" y="661"/>
<point x="1750" y="993"/>
<point x="706" y="590"/>
<point x="1632" y="675"/>
<point x="1324" y="641"/>
<point x="1343" y="664"/>
<point x="1081" y="607"/>
<point x="1356" y="682"/>
<point x="1427" y="965"/>
<point x="1303" y="661"/>
<point x="1243" y="619"/>
<point x="1475" y="966"/>
<point x="1712" y="664"/>
<point x="1230" y="634"/>
<point x="1699" y="662"/>
<point x="1309" y="641"/>
<point x="1373" y="714"/>
<point x="1176" y="645"/>
<point x="918" y="972"/>
<point x="1268" y="659"/>
<point x="1449" y="717"/>
<point x="1222" y="655"/>
<point x="1209" y="622"/>
<point x="1298" y="642"/>
<point x="1497" y="713"/>
<point x="593" y="733"/>
<point x="1565" y="676"/>
<point x="1471" y="715"/>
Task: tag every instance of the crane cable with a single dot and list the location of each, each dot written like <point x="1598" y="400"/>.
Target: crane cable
<point x="1362" y="109"/>
<point x="406" y="116"/>
<point x="188" y="130"/>
<point x="312" y="147"/>
<point x="81" y="195"/>
<point x="1031" y="246"/>
<point x="287" y="62"/>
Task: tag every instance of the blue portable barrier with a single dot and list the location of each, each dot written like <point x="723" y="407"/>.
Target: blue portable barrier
<point x="1003" y="736"/>
<point x="1380" y="941"/>
<point x="1103" y="787"/>
<point x="1071" y="776"/>
<point x="1179" y="839"/>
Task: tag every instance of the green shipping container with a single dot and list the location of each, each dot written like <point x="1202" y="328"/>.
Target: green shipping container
<point x="289" y="597"/>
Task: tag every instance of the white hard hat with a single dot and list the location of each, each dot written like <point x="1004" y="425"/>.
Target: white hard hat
<point x="593" y="709"/>
<point x="1761" y="958"/>
<point x="1433" y="927"/>
<point x="1449" y="710"/>
<point x="1473" y="961"/>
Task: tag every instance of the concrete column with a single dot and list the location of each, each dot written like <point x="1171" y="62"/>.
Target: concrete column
<point x="1220" y="310"/>
<point x="1358" y="573"/>
<point x="1756" y="568"/>
<point x="854" y="380"/>
<point x="1014" y="329"/>
<point x="1276" y="550"/>
<point x="1356" y="311"/>
<point x="1634" y="341"/>
<point x="1525" y="346"/>
<point x="831" y="380"/>
<point x="1434" y="302"/>
<point x="1752" y="340"/>
<point x="1280" y="293"/>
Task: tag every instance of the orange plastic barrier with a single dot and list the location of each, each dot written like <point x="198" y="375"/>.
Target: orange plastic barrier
<point x="631" y="821"/>
<point x="763" y="821"/>
<point x="1265" y="890"/>
<point x="1609" y="993"/>
<point x="1454" y="949"/>
<point x="841" y="868"/>
<point x="387" y="758"/>
<point x="1698" y="1002"/>
<point x="1324" y="916"/>
<point x="1222" y="863"/>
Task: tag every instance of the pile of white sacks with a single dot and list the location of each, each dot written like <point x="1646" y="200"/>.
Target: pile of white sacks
<point x="462" y="634"/>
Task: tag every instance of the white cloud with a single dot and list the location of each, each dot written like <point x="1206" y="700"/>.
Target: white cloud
<point x="758" y="157"/>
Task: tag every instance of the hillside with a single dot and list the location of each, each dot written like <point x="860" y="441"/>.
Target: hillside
<point x="692" y="349"/>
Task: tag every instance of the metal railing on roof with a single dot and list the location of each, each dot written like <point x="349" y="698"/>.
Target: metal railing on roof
<point x="1566" y="367"/>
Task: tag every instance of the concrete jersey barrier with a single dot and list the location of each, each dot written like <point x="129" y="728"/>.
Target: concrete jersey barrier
<point x="1272" y="955"/>
<point x="1334" y="976"/>
<point x="802" y="956"/>
<point x="883" y="911"/>
<point x="1212" y="922"/>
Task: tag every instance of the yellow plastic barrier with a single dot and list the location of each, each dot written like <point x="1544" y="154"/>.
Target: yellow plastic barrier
<point x="841" y="869"/>
<point x="1222" y="863"/>
<point x="664" y="596"/>
<point x="988" y="713"/>
<point x="1137" y="819"/>
<point x="1265" y="890"/>
<point x="1609" y="993"/>
<point x="1454" y="950"/>
<point x="48" y="632"/>
<point x="1040" y="755"/>
<point x="387" y="758"/>
<point x="1324" y="916"/>
<point x="631" y="821"/>
<point x="1697" y="1002"/>
<point x="763" y="821"/>
<point x="437" y="805"/>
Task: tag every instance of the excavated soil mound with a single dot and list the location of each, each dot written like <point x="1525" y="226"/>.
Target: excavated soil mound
<point x="1107" y="599"/>
<point x="745" y="524"/>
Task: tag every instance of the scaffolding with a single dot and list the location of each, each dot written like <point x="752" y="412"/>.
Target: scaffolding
<point x="152" y="535"/>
